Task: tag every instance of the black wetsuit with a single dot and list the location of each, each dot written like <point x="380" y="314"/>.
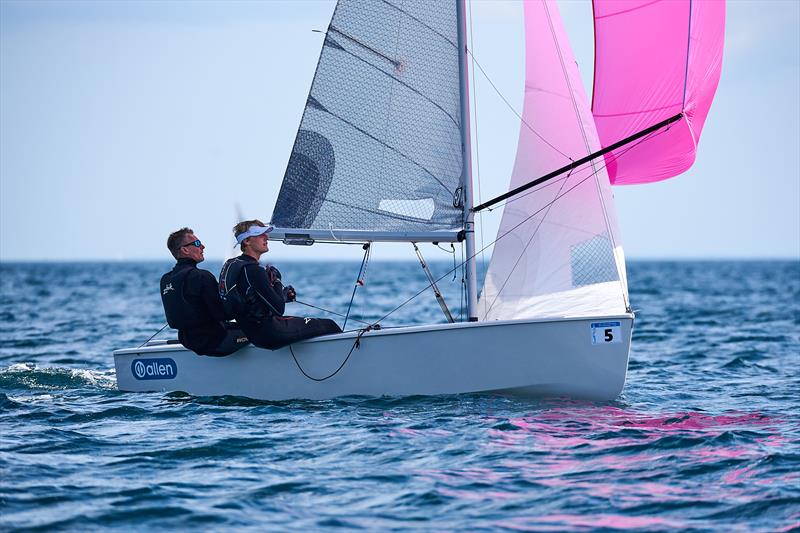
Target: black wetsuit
<point x="263" y="321"/>
<point x="192" y="306"/>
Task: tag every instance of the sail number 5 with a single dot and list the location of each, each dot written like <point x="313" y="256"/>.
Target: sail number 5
<point x="606" y="332"/>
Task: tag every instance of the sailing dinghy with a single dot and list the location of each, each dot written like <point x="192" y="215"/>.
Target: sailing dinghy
<point x="383" y="154"/>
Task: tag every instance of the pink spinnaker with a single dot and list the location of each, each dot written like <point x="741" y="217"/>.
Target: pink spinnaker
<point x="653" y="60"/>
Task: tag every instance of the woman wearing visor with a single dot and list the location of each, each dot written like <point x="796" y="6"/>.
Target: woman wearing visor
<point x="256" y="298"/>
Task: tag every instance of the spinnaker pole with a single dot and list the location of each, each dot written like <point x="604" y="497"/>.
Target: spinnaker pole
<point x="469" y="215"/>
<point x="575" y="164"/>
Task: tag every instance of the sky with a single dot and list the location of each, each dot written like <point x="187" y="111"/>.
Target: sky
<point x="122" y="121"/>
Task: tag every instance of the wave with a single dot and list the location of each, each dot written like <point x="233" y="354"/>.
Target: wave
<point x="29" y="376"/>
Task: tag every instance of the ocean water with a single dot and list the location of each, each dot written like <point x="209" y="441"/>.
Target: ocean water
<point x="705" y="436"/>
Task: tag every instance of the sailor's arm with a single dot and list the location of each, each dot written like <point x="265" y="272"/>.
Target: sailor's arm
<point x="261" y="284"/>
<point x="274" y="276"/>
<point x="209" y="293"/>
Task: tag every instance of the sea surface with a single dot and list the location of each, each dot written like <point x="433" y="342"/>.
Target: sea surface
<point x="705" y="436"/>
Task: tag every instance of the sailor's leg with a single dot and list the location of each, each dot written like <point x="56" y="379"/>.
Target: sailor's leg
<point x="234" y="340"/>
<point x="285" y="330"/>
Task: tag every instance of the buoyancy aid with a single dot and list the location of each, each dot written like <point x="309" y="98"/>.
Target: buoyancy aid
<point x="239" y="299"/>
<point x="180" y="314"/>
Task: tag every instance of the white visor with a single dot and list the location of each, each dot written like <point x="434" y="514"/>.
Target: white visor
<point x="252" y="231"/>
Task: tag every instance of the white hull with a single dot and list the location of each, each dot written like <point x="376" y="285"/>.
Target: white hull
<point x="533" y="358"/>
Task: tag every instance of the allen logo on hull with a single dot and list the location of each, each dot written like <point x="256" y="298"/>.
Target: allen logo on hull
<point x="162" y="368"/>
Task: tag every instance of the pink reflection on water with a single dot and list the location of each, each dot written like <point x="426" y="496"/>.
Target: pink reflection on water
<point x="625" y="457"/>
<point x="566" y="427"/>
<point x="560" y="522"/>
<point x="609" y="452"/>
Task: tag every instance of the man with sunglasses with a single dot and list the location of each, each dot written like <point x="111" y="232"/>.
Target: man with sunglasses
<point x="191" y="301"/>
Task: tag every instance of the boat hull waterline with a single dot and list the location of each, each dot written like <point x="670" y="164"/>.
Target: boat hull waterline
<point x="578" y="357"/>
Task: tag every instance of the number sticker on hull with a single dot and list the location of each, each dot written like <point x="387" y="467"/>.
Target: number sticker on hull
<point x="606" y="332"/>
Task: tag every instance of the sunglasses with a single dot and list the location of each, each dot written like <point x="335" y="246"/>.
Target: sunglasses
<point x="196" y="244"/>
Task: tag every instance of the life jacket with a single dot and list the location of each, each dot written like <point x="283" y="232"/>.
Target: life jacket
<point x="180" y="313"/>
<point x="240" y="302"/>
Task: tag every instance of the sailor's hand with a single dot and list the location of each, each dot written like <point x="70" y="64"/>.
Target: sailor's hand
<point x="290" y="294"/>
<point x="273" y="274"/>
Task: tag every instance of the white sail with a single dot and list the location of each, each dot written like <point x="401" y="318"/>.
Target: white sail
<point x="559" y="251"/>
<point x="379" y="147"/>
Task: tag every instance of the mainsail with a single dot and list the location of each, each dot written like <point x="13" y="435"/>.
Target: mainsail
<point x="558" y="251"/>
<point x="653" y="60"/>
<point x="379" y="147"/>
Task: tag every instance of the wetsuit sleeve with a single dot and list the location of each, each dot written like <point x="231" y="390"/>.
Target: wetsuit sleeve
<point x="260" y="283"/>
<point x="208" y="290"/>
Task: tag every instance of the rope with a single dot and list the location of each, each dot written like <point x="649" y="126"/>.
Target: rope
<point x="356" y="344"/>
<point x="154" y="334"/>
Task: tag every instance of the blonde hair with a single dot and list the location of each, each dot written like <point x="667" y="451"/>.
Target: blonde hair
<point x="243" y="226"/>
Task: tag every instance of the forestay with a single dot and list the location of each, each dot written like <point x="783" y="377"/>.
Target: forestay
<point x="559" y="252"/>
<point x="654" y="60"/>
<point x="379" y="145"/>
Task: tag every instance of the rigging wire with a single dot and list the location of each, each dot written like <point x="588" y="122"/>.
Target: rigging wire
<point x="508" y="104"/>
<point x="376" y="324"/>
<point x="332" y="312"/>
<point x="362" y="272"/>
<point x="533" y="235"/>
<point x="463" y="260"/>
<point x="586" y="144"/>
<point x="154" y="334"/>
<point x="603" y="166"/>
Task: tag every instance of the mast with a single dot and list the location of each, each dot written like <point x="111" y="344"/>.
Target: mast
<point x="469" y="215"/>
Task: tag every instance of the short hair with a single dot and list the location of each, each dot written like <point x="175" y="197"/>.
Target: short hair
<point x="243" y="226"/>
<point x="175" y="241"/>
